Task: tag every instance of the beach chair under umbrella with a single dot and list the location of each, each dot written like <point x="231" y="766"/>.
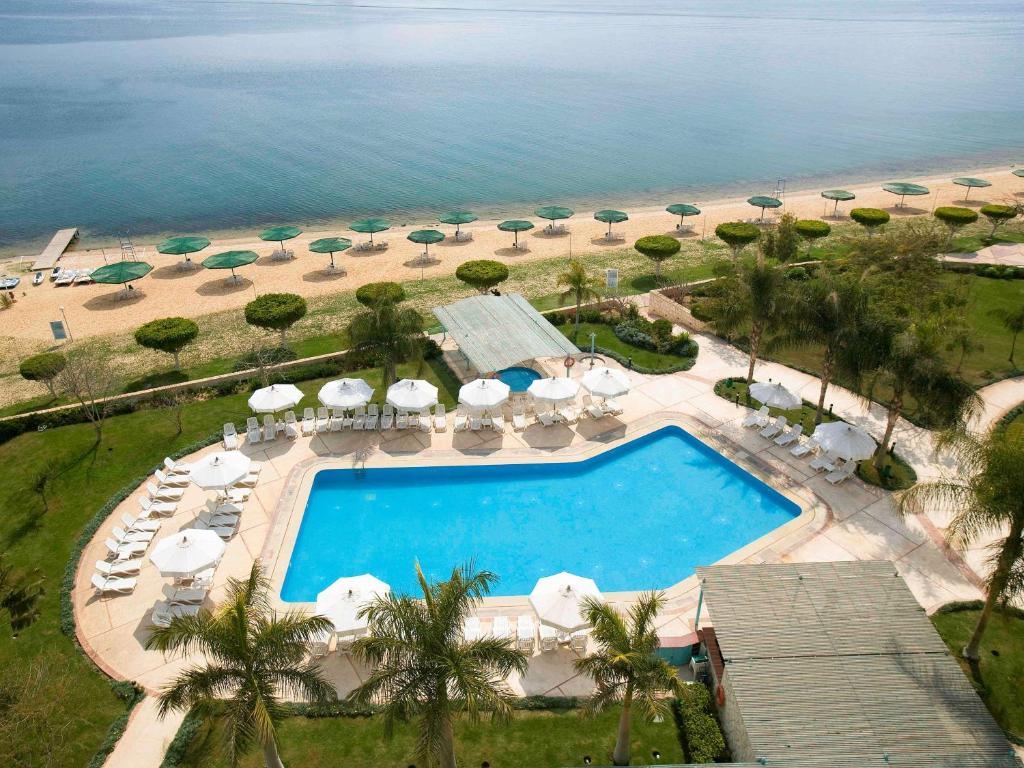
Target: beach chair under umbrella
<point x="458" y="218"/>
<point x="839" y="195"/>
<point x="183" y="246"/>
<point x="412" y="395"/>
<point x="845" y="440"/>
<point x="553" y="391"/>
<point x="274" y="398"/>
<point x="187" y="552"/>
<point x="903" y="188"/>
<point x="553" y="213"/>
<point x="370" y="226"/>
<point x="484" y="394"/>
<point x="230" y="260"/>
<point x="971" y="183"/>
<point x="219" y="470"/>
<point x="682" y="210"/>
<point x="279" y="235"/>
<point x="331" y="245"/>
<point x="425" y="237"/>
<point x="763" y="202"/>
<point x="605" y="382"/>
<point x="122" y="273"/>
<point x="775" y="396"/>
<point x="609" y="217"/>
<point x="558" y="600"/>
<point x="515" y="226"/>
<point x="345" y="393"/>
<point x="343" y="601"/>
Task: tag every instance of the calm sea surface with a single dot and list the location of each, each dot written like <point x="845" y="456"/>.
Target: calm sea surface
<point x="196" y="115"/>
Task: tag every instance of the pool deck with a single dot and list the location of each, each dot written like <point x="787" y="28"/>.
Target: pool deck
<point x="845" y="522"/>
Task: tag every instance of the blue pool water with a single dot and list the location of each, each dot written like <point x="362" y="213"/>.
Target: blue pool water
<point x="518" y="379"/>
<point x="640" y="516"/>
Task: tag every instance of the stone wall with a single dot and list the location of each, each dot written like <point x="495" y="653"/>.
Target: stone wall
<point x="663" y="306"/>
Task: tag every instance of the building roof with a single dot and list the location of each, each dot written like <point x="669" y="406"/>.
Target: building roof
<point x="496" y="332"/>
<point x="837" y="661"/>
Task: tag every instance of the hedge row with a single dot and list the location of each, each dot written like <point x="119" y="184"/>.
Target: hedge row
<point x="699" y="733"/>
<point x="685" y="365"/>
<point x="1010" y="416"/>
<point x="985" y="270"/>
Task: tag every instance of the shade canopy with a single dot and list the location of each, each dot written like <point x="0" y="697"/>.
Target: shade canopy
<point x="121" y="272"/>
<point x="412" y="394"/>
<point x="187" y="552"/>
<point x="230" y="259"/>
<point x="902" y="188"/>
<point x="605" y="382"/>
<point x="558" y="600"/>
<point x="610" y="216"/>
<point x="775" y="396"/>
<point x="345" y="393"/>
<point x="330" y="244"/>
<point x="764" y="201"/>
<point x="182" y="246"/>
<point x="1019" y="172"/>
<point x="683" y="209"/>
<point x="554" y="391"/>
<point x="219" y="470"/>
<point x="342" y="602"/>
<point x="425" y="236"/>
<point x="457" y="217"/>
<point x="845" y="440"/>
<point x="274" y="398"/>
<point x="280" y="234"/>
<point x="838" y="194"/>
<point x="515" y="225"/>
<point x="554" y="212"/>
<point x="968" y="181"/>
<point x="369" y="226"/>
<point x="484" y="393"/>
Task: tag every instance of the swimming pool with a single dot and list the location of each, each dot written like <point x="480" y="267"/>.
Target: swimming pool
<point x="519" y="378"/>
<point x="640" y="516"/>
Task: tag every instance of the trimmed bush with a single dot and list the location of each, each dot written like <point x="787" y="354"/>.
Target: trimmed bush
<point x="870" y="218"/>
<point x="737" y="235"/>
<point x="170" y="335"/>
<point x="998" y="215"/>
<point x="811" y="230"/>
<point x="482" y="274"/>
<point x="373" y="294"/>
<point x="43" y="367"/>
<point x="275" y="312"/>
<point x="797" y="273"/>
<point x="955" y="218"/>
<point x="699" y="734"/>
<point x="657" y="248"/>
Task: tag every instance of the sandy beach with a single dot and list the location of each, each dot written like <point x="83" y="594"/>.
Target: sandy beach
<point x="94" y="310"/>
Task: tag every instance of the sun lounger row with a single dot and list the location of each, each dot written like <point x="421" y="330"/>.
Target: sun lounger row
<point x="527" y="634"/>
<point x="837" y="469"/>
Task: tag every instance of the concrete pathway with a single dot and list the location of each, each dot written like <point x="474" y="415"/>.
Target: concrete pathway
<point x="147" y="737"/>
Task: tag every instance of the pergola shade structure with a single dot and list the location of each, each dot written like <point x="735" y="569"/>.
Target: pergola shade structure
<point x="498" y="332"/>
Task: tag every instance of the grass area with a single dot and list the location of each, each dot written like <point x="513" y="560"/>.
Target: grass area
<point x="547" y="739"/>
<point x="894" y="475"/>
<point x="1002" y="661"/>
<point x="1015" y="427"/>
<point x="978" y="239"/>
<point x="606" y="338"/>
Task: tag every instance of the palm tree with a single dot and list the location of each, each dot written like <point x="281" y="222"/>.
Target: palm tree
<point x="626" y="667"/>
<point x="987" y="492"/>
<point x="390" y="334"/>
<point x="1013" y="321"/>
<point x="254" y="657"/>
<point x="423" y="669"/>
<point x="750" y="295"/>
<point x="579" y="286"/>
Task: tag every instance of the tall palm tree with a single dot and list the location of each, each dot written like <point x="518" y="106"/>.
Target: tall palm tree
<point x="254" y="658"/>
<point x="1013" y="321"/>
<point x="987" y="492"/>
<point x="750" y="296"/>
<point x="626" y="668"/>
<point x="390" y="334"/>
<point x="423" y="669"/>
<point x="580" y="287"/>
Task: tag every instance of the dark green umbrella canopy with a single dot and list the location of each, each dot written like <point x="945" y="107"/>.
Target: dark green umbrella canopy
<point x="425" y="236"/>
<point x="121" y="272"/>
<point x="968" y="181"/>
<point x="902" y="188"/>
<point x="763" y="201"/>
<point x="610" y="216"/>
<point x="369" y="226"/>
<point x="330" y="245"/>
<point x="457" y="217"/>
<point x="230" y="259"/>
<point x="554" y="212"/>
<point x="515" y="225"/>
<point x="838" y="194"/>
<point x="182" y="246"/>
<point x="1019" y="172"/>
<point x="280" y="234"/>
<point x="683" y="209"/>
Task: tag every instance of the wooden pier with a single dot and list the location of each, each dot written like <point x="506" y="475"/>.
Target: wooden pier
<point x="58" y="244"/>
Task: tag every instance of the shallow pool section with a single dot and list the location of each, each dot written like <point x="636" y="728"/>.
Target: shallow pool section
<point x="640" y="516"/>
<point x="519" y="379"/>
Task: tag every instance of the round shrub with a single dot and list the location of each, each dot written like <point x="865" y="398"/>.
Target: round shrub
<point x="44" y="367"/>
<point x="737" y="234"/>
<point x="998" y="215"/>
<point x="482" y="274"/>
<point x="373" y="295"/>
<point x="275" y="312"/>
<point x="955" y="217"/>
<point x="870" y="218"/>
<point x="811" y="230"/>
<point x="657" y="248"/>
<point x="170" y="335"/>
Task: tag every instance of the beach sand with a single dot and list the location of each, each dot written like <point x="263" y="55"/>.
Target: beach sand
<point x="96" y="310"/>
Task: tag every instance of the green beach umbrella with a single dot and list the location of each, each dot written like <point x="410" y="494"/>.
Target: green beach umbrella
<point x="183" y="246"/>
<point x="330" y="245"/>
<point x="838" y="195"/>
<point x="903" y="188"/>
<point x="553" y="213"/>
<point x="279" y="235"/>
<point x="1019" y="172"/>
<point x="763" y="201"/>
<point x="682" y="210"/>
<point x="971" y="183"/>
<point x="369" y="226"/>
<point x="121" y="273"/>
<point x="609" y="217"/>
<point x="425" y="237"/>
<point x="458" y="218"/>
<point x="516" y="226"/>
<point x="230" y="260"/>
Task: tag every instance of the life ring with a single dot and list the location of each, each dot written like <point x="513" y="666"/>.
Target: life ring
<point x="720" y="695"/>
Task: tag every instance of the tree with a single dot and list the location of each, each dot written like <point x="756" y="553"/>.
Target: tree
<point x="373" y="294"/>
<point x="626" y="667"/>
<point x="254" y="659"/>
<point x="390" y="335"/>
<point x="482" y="274"/>
<point x="171" y="335"/>
<point x="986" y="494"/>
<point x="19" y="595"/>
<point x="275" y="312"/>
<point x="737" y="235"/>
<point x="870" y="218"/>
<point x="657" y="248"/>
<point x="1013" y="322"/>
<point x="811" y="230"/>
<point x="422" y="668"/>
<point x="750" y="296"/>
<point x="44" y="367"/>
<point x="580" y="287"/>
<point x="998" y="215"/>
<point x="955" y="219"/>
<point x="89" y="379"/>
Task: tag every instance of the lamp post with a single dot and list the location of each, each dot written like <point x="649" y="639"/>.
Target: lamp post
<point x="66" y="326"/>
<point x="593" y="339"/>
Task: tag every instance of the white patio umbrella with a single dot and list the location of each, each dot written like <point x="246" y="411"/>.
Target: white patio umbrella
<point x="845" y="440"/>
<point x="554" y="391"/>
<point x="412" y="394"/>
<point x="484" y="393"/>
<point x="275" y="398"/>
<point x="557" y="600"/>
<point x="605" y="382"/>
<point x="342" y="601"/>
<point x="345" y="393"/>
<point x="775" y="396"/>
<point x="219" y="470"/>
<point x="187" y="552"/>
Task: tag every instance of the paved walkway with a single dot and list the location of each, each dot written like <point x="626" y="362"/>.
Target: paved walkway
<point x="1002" y="254"/>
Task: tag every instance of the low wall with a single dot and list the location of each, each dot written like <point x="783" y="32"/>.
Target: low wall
<point x="670" y="309"/>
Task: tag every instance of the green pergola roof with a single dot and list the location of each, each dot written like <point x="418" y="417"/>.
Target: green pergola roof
<point x="969" y="181"/>
<point x="838" y="194"/>
<point x="498" y="332"/>
<point x="905" y="188"/>
<point x="763" y="201"/>
<point x="457" y="217"/>
<point x="369" y="226"/>
<point x="330" y="244"/>
<point x="554" y="212"/>
<point x="425" y="236"/>
<point x="121" y="272"/>
<point x="683" y="209"/>
<point x="515" y="225"/>
<point x="181" y="246"/>
<point x="611" y="216"/>
<point x="230" y="259"/>
<point x="280" y="234"/>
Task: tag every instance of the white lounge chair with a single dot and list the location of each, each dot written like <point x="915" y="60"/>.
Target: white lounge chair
<point x="185" y="595"/>
<point x="805" y="447"/>
<point x="204" y="578"/>
<point x="151" y="508"/>
<point x="387" y="420"/>
<point x="423" y="420"/>
<point x="308" y="422"/>
<point x="269" y="427"/>
<point x="578" y="641"/>
<point x="790" y="435"/>
<point x="826" y="461"/>
<point x="500" y="627"/>
<point x="775" y="428"/>
<point x="471" y="629"/>
<point x="323" y="419"/>
<point x="320" y="645"/>
<point x="170" y="481"/>
<point x="372" y="416"/>
<point x="120" y="586"/>
<point x="230" y="437"/>
<point x="545" y="418"/>
<point x="611" y="407"/>
<point x="591" y="408"/>
<point x="518" y="421"/>
<point x="224" y="531"/>
<point x="164" y="493"/>
<point x="291" y="428"/>
<point x="440" y="418"/>
<point x="569" y="414"/>
<point x="218" y="519"/>
<point x="402" y="420"/>
<point x="235" y="495"/>
<point x="548" y="638"/>
<point x="164" y="612"/>
<point x="252" y="431"/>
<point x="526" y="638"/>
<point x="176" y="467"/>
<point x="129" y="537"/>
<point x="839" y="474"/>
<point x="119" y="568"/>
<point x="359" y="419"/>
<point x="139" y="523"/>
<point x="125" y="550"/>
<point x="758" y="418"/>
<point x="476" y="423"/>
<point x="498" y="423"/>
<point x="461" y="421"/>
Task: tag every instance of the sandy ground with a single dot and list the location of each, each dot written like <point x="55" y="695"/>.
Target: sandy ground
<point x="93" y="310"/>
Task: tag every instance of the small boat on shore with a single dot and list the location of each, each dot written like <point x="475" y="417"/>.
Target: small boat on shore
<point x="9" y="283"/>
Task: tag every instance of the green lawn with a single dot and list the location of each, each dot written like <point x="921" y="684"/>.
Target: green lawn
<point x="606" y="338"/>
<point x="1016" y="426"/>
<point x="1002" y="661"/>
<point x="548" y="739"/>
